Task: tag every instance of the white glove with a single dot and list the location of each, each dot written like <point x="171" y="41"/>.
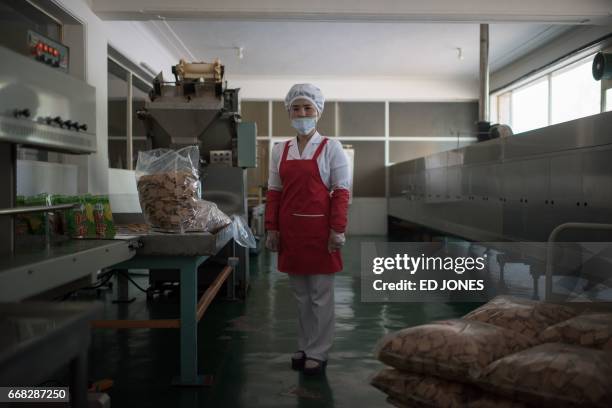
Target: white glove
<point x="272" y="240"/>
<point x="336" y="241"/>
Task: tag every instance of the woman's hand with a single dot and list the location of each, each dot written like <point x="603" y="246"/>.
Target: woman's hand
<point x="272" y="241"/>
<point x="336" y="241"/>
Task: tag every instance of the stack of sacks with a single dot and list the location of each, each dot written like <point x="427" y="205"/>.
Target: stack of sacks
<point x="435" y="365"/>
<point x="495" y="356"/>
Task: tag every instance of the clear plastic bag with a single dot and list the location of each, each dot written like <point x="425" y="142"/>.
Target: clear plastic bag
<point x="553" y="375"/>
<point x="457" y="350"/>
<point x="242" y="232"/>
<point x="169" y="188"/>
<point x="409" y="390"/>
<point x="209" y="218"/>
<point x="524" y="316"/>
<point x="587" y="330"/>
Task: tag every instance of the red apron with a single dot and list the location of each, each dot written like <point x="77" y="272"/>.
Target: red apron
<point x="304" y="225"/>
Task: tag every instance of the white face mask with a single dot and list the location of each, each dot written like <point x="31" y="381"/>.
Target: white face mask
<point x="304" y="125"/>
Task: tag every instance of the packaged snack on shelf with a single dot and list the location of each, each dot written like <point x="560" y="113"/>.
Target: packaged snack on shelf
<point x="36" y="221"/>
<point x="103" y="217"/>
<point x="74" y="220"/>
<point x="21" y="220"/>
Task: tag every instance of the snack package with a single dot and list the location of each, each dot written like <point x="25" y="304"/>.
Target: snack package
<point x="451" y="349"/>
<point x="21" y="220"/>
<point x="104" y="226"/>
<point x="553" y="375"/>
<point x="169" y="188"/>
<point x="36" y="221"/>
<point x="524" y="316"/>
<point x="74" y="220"/>
<point x="587" y="330"/>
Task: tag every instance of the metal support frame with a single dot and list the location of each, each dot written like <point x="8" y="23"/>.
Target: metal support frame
<point x="8" y="168"/>
<point x="552" y="239"/>
<point x="192" y="308"/>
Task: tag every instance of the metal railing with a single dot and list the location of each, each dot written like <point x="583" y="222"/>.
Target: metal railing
<point x="552" y="239"/>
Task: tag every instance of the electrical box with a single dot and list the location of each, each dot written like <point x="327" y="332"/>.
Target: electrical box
<point x="247" y="144"/>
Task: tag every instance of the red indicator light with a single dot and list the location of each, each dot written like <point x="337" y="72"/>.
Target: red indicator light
<point x="39" y="46"/>
<point x="55" y="52"/>
<point x="45" y="48"/>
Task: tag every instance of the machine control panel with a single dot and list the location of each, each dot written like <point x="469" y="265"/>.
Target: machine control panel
<point x="221" y="157"/>
<point x="47" y="51"/>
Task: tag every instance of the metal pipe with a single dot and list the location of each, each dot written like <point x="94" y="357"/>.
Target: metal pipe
<point x="483" y="100"/>
<point x="34" y="209"/>
<point x="8" y="181"/>
<point x="128" y="110"/>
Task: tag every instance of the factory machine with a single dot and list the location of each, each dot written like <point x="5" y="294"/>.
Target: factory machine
<point x="43" y="107"/>
<point x="549" y="184"/>
<point x="197" y="109"/>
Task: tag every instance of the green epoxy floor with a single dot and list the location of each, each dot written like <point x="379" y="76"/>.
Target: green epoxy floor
<point x="246" y="346"/>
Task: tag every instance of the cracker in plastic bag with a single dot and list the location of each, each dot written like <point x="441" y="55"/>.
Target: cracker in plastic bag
<point x="209" y="218"/>
<point x="553" y="375"/>
<point x="587" y="330"/>
<point x="417" y="390"/>
<point x="169" y="187"/>
<point x="452" y="349"/>
<point x="524" y="316"/>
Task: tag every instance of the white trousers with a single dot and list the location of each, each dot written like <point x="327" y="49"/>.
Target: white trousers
<point x="315" y="300"/>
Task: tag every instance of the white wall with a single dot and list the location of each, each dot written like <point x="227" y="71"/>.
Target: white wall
<point x="134" y="44"/>
<point x="122" y="192"/>
<point x="35" y="177"/>
<point x="361" y="89"/>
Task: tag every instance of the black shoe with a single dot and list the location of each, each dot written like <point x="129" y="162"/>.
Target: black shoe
<point x="298" y="363"/>
<point x="318" y="369"/>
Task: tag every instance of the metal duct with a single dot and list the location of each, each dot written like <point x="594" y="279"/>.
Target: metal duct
<point x="483" y="100"/>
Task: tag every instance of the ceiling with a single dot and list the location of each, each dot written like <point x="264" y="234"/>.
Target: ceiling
<point x="355" y="49"/>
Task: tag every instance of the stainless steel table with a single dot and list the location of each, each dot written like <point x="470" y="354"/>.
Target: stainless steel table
<point x="37" y="339"/>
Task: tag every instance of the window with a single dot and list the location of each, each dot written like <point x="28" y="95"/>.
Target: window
<point x="530" y="107"/>
<point x="504" y="104"/>
<point x="608" y="100"/>
<point x="575" y="94"/>
<point x="564" y="94"/>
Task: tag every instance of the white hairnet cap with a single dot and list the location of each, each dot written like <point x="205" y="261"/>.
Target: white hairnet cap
<point x="305" y="91"/>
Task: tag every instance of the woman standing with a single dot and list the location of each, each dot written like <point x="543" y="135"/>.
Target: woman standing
<point x="306" y="216"/>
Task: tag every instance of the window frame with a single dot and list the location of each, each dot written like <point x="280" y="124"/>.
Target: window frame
<point x="131" y="78"/>
<point x="547" y="75"/>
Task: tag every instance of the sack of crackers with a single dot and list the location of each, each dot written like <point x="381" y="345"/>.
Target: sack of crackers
<point x="168" y="183"/>
<point x="553" y="375"/>
<point x="456" y="350"/>
<point x="169" y="191"/>
<point x="406" y="389"/>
